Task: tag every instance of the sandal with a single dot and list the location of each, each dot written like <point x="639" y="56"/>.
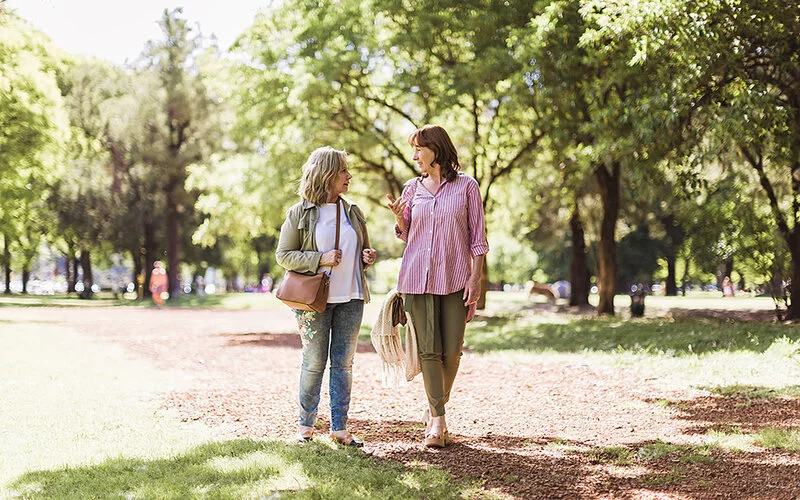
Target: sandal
<point x="305" y="434"/>
<point x="347" y="440"/>
<point x="435" y="439"/>
<point x="426" y="420"/>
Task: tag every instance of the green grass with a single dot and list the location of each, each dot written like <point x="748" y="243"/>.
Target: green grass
<point x="232" y="301"/>
<point x="622" y="455"/>
<point x="103" y="299"/>
<point x="756" y="392"/>
<point x="678" y="352"/>
<point x="617" y="455"/>
<point x="238" y="469"/>
<point x="683" y="336"/>
<point x="785" y="439"/>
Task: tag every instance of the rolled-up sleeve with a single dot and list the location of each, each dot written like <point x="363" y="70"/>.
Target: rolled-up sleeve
<point x="479" y="245"/>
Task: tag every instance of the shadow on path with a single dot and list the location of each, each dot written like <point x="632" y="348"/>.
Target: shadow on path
<point x="291" y="340"/>
<point x="550" y="467"/>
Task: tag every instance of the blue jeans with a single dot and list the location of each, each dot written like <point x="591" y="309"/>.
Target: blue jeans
<point x="333" y="332"/>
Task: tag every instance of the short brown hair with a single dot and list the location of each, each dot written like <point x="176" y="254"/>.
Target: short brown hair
<point x="437" y="140"/>
<point x="318" y="173"/>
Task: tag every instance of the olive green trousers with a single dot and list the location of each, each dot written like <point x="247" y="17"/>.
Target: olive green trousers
<point x="440" y="321"/>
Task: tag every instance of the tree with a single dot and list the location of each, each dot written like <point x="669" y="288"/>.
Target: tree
<point x="362" y="75"/>
<point x="740" y="57"/>
<point x="185" y="130"/>
<point x="586" y="74"/>
<point x="34" y="128"/>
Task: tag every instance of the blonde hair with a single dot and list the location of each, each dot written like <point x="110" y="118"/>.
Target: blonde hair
<point x="319" y="171"/>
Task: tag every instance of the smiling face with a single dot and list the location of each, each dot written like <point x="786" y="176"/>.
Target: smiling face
<point x="424" y="158"/>
<point x="339" y="184"/>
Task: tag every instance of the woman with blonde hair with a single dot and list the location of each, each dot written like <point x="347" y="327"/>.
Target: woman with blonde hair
<point x="307" y="245"/>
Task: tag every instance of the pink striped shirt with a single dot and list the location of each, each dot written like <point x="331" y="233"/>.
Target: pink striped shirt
<point x="443" y="233"/>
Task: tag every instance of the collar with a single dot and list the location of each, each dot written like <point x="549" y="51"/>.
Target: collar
<point x="307" y="205"/>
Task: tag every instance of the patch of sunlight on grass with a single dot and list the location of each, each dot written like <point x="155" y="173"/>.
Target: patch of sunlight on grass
<point x="685" y="453"/>
<point x="259" y="459"/>
<point x="785" y="439"/>
<point x="617" y="455"/>
<point x="731" y="439"/>
<point x="756" y="392"/>
<point x="77" y="401"/>
<point x="246" y="469"/>
<point x="768" y="369"/>
<point x="675" y="475"/>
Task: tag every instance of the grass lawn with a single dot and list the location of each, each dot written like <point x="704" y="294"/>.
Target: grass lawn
<point x="232" y="301"/>
<point x="77" y="418"/>
<point x="71" y="402"/>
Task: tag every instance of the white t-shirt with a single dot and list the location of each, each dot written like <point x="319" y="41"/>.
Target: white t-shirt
<point x="345" y="278"/>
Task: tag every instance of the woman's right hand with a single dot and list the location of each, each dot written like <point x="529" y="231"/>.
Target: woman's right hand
<point x="331" y="258"/>
<point x="398" y="207"/>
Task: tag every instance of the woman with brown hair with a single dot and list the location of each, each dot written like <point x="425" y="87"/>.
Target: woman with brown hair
<point x="440" y="217"/>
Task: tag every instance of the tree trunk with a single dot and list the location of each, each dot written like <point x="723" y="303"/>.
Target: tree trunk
<point x="578" y="269"/>
<point x="88" y="280"/>
<point x="75" y="264"/>
<point x="68" y="274"/>
<point x="685" y="280"/>
<point x="26" y="276"/>
<point x="609" y="186"/>
<point x="673" y="243"/>
<point x="172" y="244"/>
<point x="672" y="285"/>
<point x="793" y="309"/>
<point x="7" y="263"/>
<point x="137" y="269"/>
<point x="149" y="252"/>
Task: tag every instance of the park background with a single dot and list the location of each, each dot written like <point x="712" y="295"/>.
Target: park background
<point x="615" y="143"/>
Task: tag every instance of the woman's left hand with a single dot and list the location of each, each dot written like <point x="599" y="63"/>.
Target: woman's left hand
<point x="471" y="292"/>
<point x="368" y="256"/>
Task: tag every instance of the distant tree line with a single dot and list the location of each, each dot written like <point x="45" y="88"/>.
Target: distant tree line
<point x="618" y="143"/>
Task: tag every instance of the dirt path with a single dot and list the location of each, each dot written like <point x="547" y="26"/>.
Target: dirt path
<point x="525" y="430"/>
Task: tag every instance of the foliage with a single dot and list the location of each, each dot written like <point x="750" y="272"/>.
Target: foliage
<point x="511" y="262"/>
<point x="183" y="129"/>
<point x="34" y="129"/>
<point x="677" y="115"/>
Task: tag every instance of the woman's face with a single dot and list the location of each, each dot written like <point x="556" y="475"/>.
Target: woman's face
<point x="340" y="183"/>
<point x="424" y="157"/>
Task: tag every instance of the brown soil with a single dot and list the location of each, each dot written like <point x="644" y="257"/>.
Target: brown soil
<point x="524" y="430"/>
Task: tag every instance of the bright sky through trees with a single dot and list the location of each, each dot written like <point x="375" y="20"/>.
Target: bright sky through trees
<point x="117" y="30"/>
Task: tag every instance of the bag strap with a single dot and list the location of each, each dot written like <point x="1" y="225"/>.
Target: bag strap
<point x="338" y="220"/>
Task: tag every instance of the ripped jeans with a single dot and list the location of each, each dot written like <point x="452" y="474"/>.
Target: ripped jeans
<point x="332" y="333"/>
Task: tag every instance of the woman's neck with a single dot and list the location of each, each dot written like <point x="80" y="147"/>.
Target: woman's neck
<point x="435" y="174"/>
<point x="333" y="198"/>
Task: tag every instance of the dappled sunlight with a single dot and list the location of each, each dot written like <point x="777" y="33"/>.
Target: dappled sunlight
<point x="285" y="474"/>
<point x="242" y="469"/>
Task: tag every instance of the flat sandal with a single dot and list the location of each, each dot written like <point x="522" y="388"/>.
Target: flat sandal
<point x="305" y="434"/>
<point x="348" y="440"/>
<point x="436" y="440"/>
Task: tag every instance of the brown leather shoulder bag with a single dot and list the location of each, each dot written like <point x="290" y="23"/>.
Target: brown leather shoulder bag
<point x="308" y="292"/>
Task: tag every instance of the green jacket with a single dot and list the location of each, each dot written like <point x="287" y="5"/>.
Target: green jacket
<point x="297" y="246"/>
